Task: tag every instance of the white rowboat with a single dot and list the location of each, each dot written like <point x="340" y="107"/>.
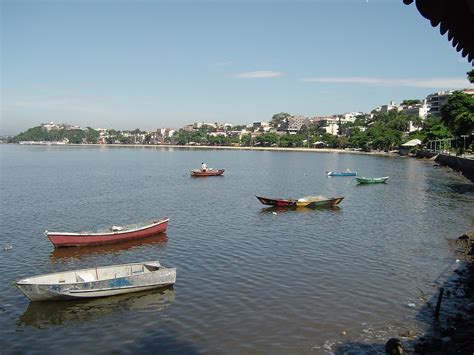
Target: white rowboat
<point x="97" y="282"/>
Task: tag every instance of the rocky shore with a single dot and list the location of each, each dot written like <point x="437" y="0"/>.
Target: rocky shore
<point x="455" y="333"/>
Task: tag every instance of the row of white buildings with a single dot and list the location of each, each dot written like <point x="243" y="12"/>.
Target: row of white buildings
<point x="429" y="106"/>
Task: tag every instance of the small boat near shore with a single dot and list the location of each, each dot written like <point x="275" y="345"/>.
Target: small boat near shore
<point x="308" y="201"/>
<point x="318" y="201"/>
<point x="371" y="180"/>
<point x="97" y="282"/>
<point x="277" y="202"/>
<point x="209" y="172"/>
<point x="114" y="235"/>
<point x="341" y="173"/>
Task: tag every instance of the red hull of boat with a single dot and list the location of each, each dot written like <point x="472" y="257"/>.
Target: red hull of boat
<point x="199" y="173"/>
<point x="276" y="202"/>
<point x="84" y="239"/>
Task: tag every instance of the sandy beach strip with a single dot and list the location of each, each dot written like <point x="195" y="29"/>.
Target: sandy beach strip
<point x="275" y="149"/>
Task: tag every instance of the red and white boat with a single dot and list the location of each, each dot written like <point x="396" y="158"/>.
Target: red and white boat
<point x="114" y="235"/>
<point x="209" y="172"/>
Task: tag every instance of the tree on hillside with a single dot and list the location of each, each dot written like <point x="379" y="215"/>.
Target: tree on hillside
<point x="361" y="120"/>
<point x="205" y="128"/>
<point x="279" y="118"/>
<point x="91" y="135"/>
<point x="434" y="129"/>
<point x="246" y="140"/>
<point x="72" y="135"/>
<point x="470" y="76"/>
<point x="342" y="142"/>
<point x="458" y="113"/>
<point x="32" y="134"/>
<point x="384" y="137"/>
<point x="396" y="120"/>
<point x="330" y="140"/>
<point x="268" y="139"/>
<point x="410" y="102"/>
<point x="358" y="138"/>
<point x="293" y="140"/>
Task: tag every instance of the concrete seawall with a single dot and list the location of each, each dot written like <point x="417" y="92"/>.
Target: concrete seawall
<point x="463" y="165"/>
<point x="426" y="154"/>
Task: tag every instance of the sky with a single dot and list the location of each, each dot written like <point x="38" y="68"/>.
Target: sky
<point x="149" y="64"/>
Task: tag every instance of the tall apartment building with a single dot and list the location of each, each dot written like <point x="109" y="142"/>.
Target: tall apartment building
<point x="329" y="123"/>
<point x="435" y="101"/>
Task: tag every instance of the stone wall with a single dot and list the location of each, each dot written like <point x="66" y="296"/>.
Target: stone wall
<point x="465" y="166"/>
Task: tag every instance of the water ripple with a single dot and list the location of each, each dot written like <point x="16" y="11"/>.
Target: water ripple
<point x="249" y="279"/>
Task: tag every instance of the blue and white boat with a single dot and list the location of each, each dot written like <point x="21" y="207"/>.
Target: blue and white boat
<point x="341" y="173"/>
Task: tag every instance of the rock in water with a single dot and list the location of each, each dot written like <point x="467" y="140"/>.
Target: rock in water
<point x="394" y="347"/>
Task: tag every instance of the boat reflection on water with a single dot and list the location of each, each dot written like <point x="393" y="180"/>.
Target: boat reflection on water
<point x="49" y="314"/>
<point x="84" y="251"/>
<point x="300" y="209"/>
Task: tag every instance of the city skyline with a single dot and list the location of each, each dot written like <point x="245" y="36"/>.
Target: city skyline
<point x="153" y="64"/>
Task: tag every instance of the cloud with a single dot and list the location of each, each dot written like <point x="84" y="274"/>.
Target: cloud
<point x="431" y="83"/>
<point x="262" y="74"/>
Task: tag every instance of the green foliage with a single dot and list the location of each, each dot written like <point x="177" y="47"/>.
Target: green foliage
<point x="342" y="142"/>
<point x="245" y="140"/>
<point x="358" y="139"/>
<point x="207" y="129"/>
<point x="268" y="139"/>
<point x="410" y="102"/>
<point x="385" y="131"/>
<point x="279" y="118"/>
<point x="345" y="128"/>
<point x="330" y="140"/>
<point x="183" y="137"/>
<point x="32" y="134"/>
<point x="92" y="136"/>
<point x="311" y="129"/>
<point x="293" y="140"/>
<point x="421" y="135"/>
<point x="383" y="137"/>
<point x="470" y="76"/>
<point x="434" y="129"/>
<point x="458" y="113"/>
<point x="222" y="140"/>
<point x="75" y="136"/>
<point x="124" y="140"/>
<point x="361" y="120"/>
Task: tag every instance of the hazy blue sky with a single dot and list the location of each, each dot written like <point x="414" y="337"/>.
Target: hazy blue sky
<point x="148" y="64"/>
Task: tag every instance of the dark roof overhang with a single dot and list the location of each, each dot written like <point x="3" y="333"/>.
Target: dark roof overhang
<point x="454" y="17"/>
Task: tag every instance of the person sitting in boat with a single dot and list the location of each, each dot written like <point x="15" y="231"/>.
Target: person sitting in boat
<point x="203" y="167"/>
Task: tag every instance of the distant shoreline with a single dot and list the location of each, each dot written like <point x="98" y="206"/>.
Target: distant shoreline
<point x="209" y="147"/>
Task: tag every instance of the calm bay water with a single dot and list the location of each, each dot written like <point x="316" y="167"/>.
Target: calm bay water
<point x="248" y="280"/>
